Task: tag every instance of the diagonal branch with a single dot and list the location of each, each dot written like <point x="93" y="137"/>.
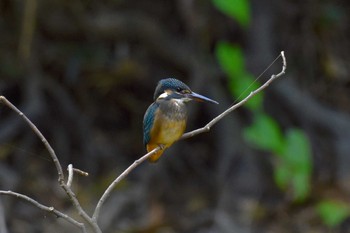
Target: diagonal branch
<point x="118" y="179"/>
<point x="206" y="128"/>
<point x="39" y="134"/>
<point x="45" y="208"/>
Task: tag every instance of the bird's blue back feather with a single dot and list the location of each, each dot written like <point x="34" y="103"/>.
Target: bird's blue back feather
<point x="148" y="120"/>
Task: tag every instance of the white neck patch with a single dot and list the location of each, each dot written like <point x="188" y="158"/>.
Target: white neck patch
<point x="163" y="96"/>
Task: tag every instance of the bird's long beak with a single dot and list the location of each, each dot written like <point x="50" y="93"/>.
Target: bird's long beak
<point x="201" y="98"/>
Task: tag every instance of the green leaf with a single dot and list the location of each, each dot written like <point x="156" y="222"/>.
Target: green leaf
<point x="297" y="156"/>
<point x="231" y="58"/>
<point x="282" y="176"/>
<point x="333" y="212"/>
<point x="301" y="186"/>
<point x="237" y="9"/>
<point x="265" y="134"/>
<point x="297" y="151"/>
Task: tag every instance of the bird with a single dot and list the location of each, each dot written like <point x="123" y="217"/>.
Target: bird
<point x="165" y="119"/>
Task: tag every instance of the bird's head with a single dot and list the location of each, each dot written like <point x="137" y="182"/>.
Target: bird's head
<point x="171" y="88"/>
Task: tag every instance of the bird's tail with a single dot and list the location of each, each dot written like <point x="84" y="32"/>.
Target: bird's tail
<point x="155" y="157"/>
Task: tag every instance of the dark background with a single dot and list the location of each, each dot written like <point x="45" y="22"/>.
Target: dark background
<point x="84" y="72"/>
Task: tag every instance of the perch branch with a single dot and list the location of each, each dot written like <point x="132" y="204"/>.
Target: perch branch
<point x="46" y="208"/>
<point x="206" y="128"/>
<point x="118" y="179"/>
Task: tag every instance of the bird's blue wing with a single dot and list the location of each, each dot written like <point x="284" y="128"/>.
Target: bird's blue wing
<point x="148" y="120"/>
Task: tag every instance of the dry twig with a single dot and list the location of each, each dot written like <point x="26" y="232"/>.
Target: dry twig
<point x="46" y="208"/>
<point x="118" y="179"/>
<point x="52" y="153"/>
<point x="207" y="127"/>
<point x="71" y="171"/>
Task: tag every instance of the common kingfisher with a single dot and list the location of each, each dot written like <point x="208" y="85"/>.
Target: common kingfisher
<point x="165" y="119"/>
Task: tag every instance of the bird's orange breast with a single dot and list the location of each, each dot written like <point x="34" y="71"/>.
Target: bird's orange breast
<point x="165" y="132"/>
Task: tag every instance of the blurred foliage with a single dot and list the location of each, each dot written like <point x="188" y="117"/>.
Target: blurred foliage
<point x="294" y="164"/>
<point x="333" y="212"/>
<point x="293" y="154"/>
<point x="237" y="9"/>
<point x="292" y="150"/>
<point x="265" y="134"/>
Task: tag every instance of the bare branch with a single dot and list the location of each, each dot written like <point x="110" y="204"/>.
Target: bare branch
<point x="80" y="210"/>
<point x="46" y="208"/>
<point x="52" y="153"/>
<point x="39" y="134"/>
<point x="208" y="126"/>
<point x="118" y="179"/>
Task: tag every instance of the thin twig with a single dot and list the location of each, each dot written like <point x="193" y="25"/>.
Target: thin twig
<point x="46" y="208"/>
<point x="80" y="172"/>
<point x="186" y="135"/>
<point x="52" y="153"/>
<point x="208" y="126"/>
<point x="71" y="170"/>
<point x="80" y="210"/>
<point x="118" y="179"/>
<point x="70" y="175"/>
<point x="39" y="134"/>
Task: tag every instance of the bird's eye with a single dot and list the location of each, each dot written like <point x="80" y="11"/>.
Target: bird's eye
<point x="179" y="89"/>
